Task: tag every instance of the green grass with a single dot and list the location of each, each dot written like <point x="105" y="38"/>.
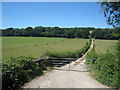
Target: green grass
<point x="9" y="42"/>
<point x="37" y="46"/>
<point x="102" y="46"/>
<point x="70" y="54"/>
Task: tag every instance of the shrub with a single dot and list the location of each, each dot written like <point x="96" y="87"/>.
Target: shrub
<point x="57" y="54"/>
<point x="92" y="54"/>
<point x="106" y="69"/>
<point x="19" y="70"/>
<point x="43" y="64"/>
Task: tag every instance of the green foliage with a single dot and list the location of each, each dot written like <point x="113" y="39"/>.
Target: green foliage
<point x="19" y="70"/>
<point x="93" y="56"/>
<point x="118" y="54"/>
<point x="56" y="54"/>
<point x="40" y="31"/>
<point x="111" y="11"/>
<point x="105" y="33"/>
<point x="118" y="49"/>
<point x="106" y="69"/>
<point x="43" y="64"/>
<point x="72" y="54"/>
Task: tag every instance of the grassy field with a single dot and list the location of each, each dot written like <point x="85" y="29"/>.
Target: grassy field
<point x="102" y="46"/>
<point x="37" y="46"/>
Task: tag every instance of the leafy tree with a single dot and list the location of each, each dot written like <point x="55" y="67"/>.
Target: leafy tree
<point x="85" y="33"/>
<point x="40" y="31"/>
<point x="111" y="11"/>
<point x="105" y="33"/>
<point x="29" y="31"/>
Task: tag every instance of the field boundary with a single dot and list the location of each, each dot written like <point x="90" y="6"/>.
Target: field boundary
<point x="78" y="61"/>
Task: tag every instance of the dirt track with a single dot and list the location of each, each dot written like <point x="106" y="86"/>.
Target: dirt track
<point x="66" y="79"/>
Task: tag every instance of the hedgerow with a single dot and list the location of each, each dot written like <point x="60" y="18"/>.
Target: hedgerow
<point x="106" y="69"/>
<point x="17" y="71"/>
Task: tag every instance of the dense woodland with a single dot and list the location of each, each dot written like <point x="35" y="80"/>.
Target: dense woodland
<point x="39" y="31"/>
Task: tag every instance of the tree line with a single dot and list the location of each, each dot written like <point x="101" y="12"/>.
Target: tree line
<point x="76" y="32"/>
<point x="100" y="33"/>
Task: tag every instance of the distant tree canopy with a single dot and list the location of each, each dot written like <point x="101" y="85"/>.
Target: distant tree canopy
<point x="40" y="31"/>
<point x="105" y="34"/>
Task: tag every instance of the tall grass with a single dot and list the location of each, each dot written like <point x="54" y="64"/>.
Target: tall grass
<point x="102" y="46"/>
<point x="69" y="54"/>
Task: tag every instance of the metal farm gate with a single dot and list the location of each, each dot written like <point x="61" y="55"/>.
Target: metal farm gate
<point x="68" y="64"/>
